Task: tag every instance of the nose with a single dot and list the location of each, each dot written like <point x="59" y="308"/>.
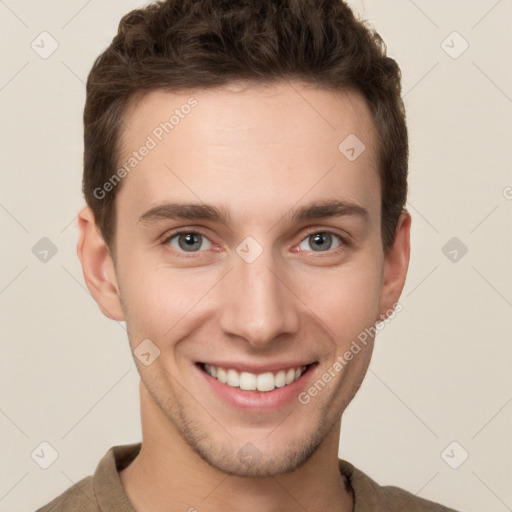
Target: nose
<point x="257" y="303"/>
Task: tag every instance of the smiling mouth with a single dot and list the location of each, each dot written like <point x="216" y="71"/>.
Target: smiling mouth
<point x="263" y="382"/>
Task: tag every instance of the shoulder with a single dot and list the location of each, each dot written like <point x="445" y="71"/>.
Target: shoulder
<point x="101" y="491"/>
<point x="370" y="496"/>
<point x="80" y="497"/>
<point x="394" y="496"/>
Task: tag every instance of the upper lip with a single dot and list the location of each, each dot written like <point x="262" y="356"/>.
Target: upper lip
<point x="258" y="368"/>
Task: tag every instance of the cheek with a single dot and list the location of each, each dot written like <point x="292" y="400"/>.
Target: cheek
<point x="165" y="304"/>
<point x="164" y="301"/>
<point x="346" y="299"/>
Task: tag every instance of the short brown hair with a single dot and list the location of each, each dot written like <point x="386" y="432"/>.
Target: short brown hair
<point x="177" y="45"/>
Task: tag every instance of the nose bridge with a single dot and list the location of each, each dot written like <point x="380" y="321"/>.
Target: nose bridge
<point x="256" y="303"/>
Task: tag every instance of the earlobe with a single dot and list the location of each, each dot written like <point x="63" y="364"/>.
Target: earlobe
<point x="97" y="266"/>
<point x="396" y="264"/>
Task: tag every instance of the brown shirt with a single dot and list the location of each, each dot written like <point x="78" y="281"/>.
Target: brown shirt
<point x="104" y="492"/>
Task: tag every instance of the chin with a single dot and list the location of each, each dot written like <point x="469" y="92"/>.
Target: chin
<point x="257" y="461"/>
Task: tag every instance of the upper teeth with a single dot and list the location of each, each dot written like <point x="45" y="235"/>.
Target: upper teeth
<point x="250" y="381"/>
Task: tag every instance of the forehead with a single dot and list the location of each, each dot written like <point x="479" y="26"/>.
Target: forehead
<point x="262" y="109"/>
<point x="250" y="146"/>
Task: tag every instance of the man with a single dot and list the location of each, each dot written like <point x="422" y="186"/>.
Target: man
<point x="225" y="144"/>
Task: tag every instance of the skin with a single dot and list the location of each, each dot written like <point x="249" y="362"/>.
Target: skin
<point x="259" y="152"/>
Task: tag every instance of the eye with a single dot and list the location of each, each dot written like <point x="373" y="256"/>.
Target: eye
<point x="321" y="241"/>
<point x="188" y="241"/>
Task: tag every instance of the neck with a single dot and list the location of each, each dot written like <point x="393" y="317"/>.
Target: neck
<point x="168" y="471"/>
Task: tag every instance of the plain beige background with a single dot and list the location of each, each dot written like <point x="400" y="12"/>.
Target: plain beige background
<point x="439" y="386"/>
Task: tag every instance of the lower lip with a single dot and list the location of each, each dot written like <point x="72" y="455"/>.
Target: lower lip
<point x="257" y="400"/>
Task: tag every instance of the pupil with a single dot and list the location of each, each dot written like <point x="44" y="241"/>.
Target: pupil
<point x="320" y="238"/>
<point x="190" y="241"/>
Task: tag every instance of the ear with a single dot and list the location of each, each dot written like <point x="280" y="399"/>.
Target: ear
<point x="98" y="266"/>
<point x="396" y="264"/>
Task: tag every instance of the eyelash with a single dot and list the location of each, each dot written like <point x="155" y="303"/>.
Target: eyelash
<point x="345" y="244"/>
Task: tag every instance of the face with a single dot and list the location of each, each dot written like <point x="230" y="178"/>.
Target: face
<point x="247" y="240"/>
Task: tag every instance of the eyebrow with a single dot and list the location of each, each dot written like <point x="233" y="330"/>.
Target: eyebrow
<point x="196" y="211"/>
